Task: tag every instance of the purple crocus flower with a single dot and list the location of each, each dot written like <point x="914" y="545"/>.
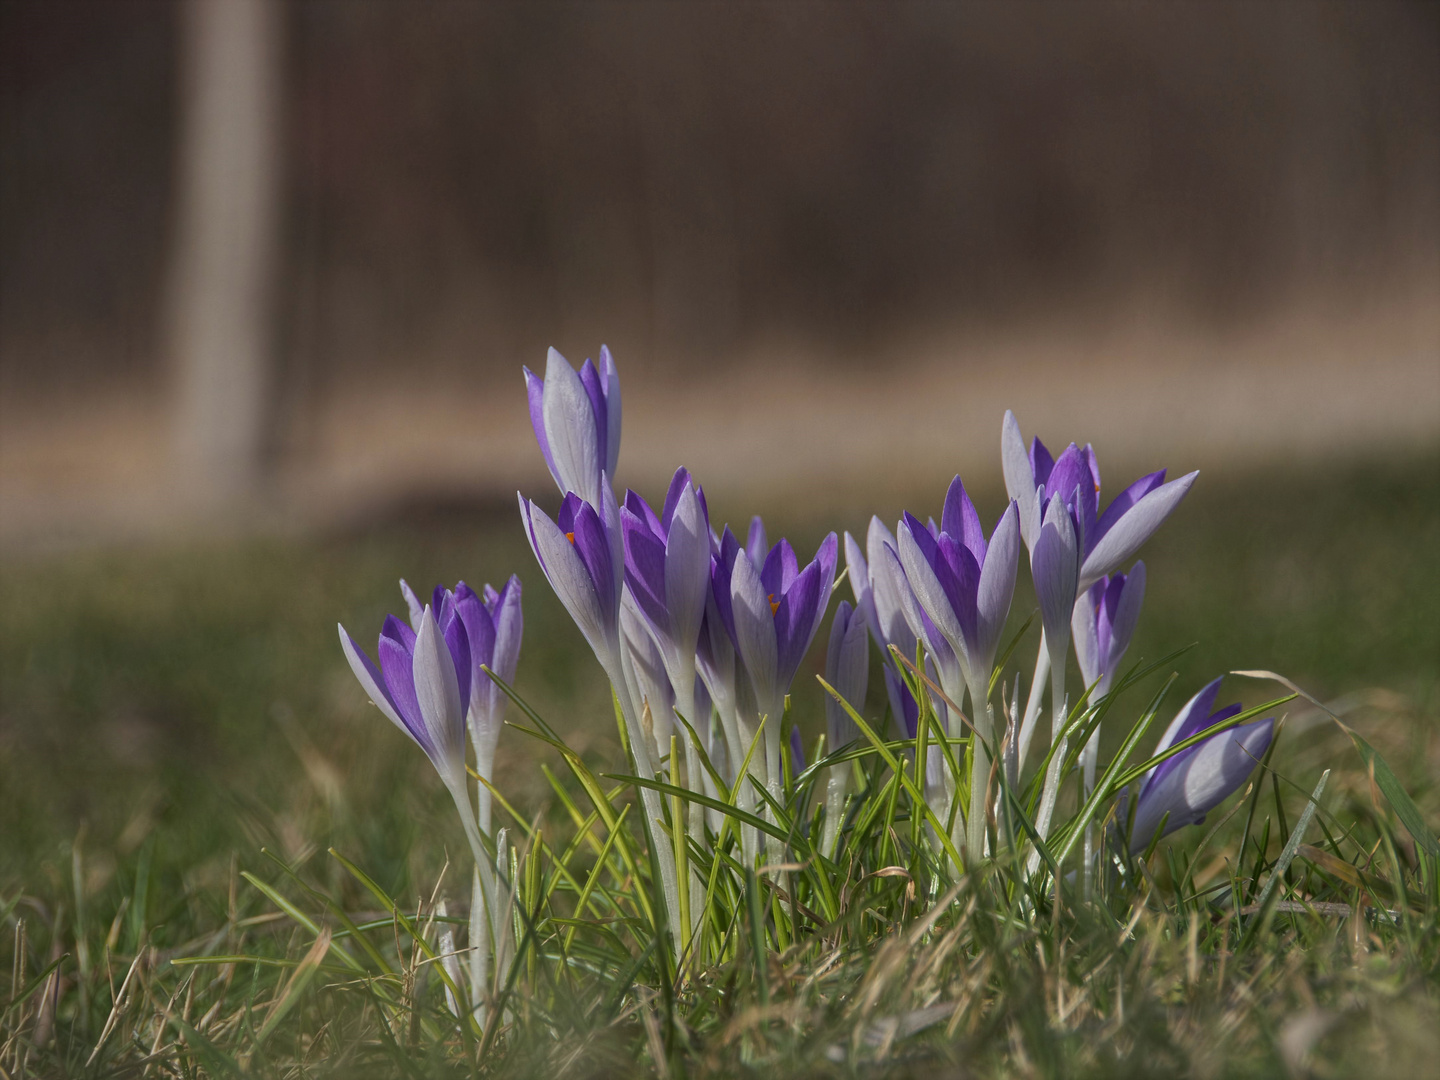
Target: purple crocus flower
<point x="1195" y="781"/>
<point x="773" y="612"/>
<point x="715" y="661"/>
<point x="963" y="584"/>
<point x="1066" y="559"/>
<point x="941" y="666"/>
<point x="1104" y="620"/>
<point x="667" y="570"/>
<point x="667" y="579"/>
<point x="582" y="556"/>
<point x="884" y="596"/>
<point x="1055" y="569"/>
<point x="576" y="417"/>
<point x="878" y="583"/>
<point x="1106" y="538"/>
<point x="428" y="679"/>
<point x="422" y="685"/>
<point x="494" y="624"/>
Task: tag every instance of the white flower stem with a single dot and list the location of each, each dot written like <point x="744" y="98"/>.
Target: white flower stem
<point x="1032" y="703"/>
<point x="695" y="826"/>
<point x="774" y="781"/>
<point x="649" y="798"/>
<point x="1047" y="800"/>
<point x="1088" y="758"/>
<point x="837" y="787"/>
<point x="984" y="720"/>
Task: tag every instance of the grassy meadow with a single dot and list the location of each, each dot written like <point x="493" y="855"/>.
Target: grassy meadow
<point x="166" y="714"/>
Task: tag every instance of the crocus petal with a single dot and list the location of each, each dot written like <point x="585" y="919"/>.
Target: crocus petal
<point x="570" y="429"/>
<point x="796" y="618"/>
<point x="797" y="751"/>
<point x="715" y="653"/>
<point x="591" y="541"/>
<point x="1194" y="716"/>
<point x="1041" y="461"/>
<point x="413" y="603"/>
<point x="847" y="669"/>
<point x="755" y="633"/>
<point x="921" y="572"/>
<point x="678" y="483"/>
<point x="960" y="520"/>
<point x="370" y="679"/>
<point x="1084" y="632"/>
<point x="397" y="650"/>
<point x="780" y="569"/>
<point x="756" y="545"/>
<point x="722" y="567"/>
<point x="890" y="590"/>
<point x="535" y="392"/>
<point x="494" y="628"/>
<point x="1080" y="489"/>
<point x="857" y="570"/>
<point x="1122" y="503"/>
<point x="1094" y="463"/>
<point x="687" y="570"/>
<point x="1055" y="566"/>
<point x="457" y="644"/>
<point x="997" y="586"/>
<point x="644" y="669"/>
<point x="1020" y="480"/>
<point x="1132" y="529"/>
<point x="1199" y="705"/>
<point x="590" y="379"/>
<point x="610" y="378"/>
<point x="479" y="625"/>
<point x="1125" y="616"/>
<point x="1070" y="473"/>
<point x="1202" y="779"/>
<point x="949" y="655"/>
<point x="639" y="508"/>
<point x="827" y="556"/>
<point x="645" y="569"/>
<point x="509" y="629"/>
<point x="567" y="575"/>
<point x="437" y="691"/>
<point x="609" y="513"/>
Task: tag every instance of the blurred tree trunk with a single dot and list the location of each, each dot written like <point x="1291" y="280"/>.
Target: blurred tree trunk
<point x="226" y="245"/>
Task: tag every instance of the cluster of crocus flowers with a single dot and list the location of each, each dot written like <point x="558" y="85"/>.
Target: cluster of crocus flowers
<point x="702" y="637"/>
<point x="432" y="683"/>
<point x="1073" y="545"/>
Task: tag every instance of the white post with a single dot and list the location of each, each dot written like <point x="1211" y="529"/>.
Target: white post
<point x="221" y="322"/>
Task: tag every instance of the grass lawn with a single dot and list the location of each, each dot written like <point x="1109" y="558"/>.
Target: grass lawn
<point x="166" y="714"/>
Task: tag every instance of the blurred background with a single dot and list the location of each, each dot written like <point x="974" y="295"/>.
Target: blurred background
<point x="269" y="270"/>
<point x="296" y="252"/>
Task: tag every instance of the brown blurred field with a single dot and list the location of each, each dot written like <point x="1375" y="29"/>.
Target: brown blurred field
<point x="828" y="245"/>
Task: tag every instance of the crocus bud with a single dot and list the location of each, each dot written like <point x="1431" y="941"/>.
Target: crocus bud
<point x="1182" y="789"/>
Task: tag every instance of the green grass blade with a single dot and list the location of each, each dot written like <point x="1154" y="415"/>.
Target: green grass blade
<point x="1385" y="778"/>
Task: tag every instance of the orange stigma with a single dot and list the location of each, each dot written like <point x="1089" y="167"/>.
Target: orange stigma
<point x="774" y="604"/>
<point x="570" y="537"/>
